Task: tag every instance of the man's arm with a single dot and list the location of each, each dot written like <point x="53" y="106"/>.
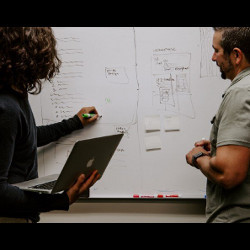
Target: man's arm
<point x="228" y="168"/>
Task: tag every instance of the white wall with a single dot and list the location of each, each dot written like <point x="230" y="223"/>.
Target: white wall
<point x="181" y="211"/>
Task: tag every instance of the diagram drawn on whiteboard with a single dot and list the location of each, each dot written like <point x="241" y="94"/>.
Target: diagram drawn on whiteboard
<point x="171" y="83"/>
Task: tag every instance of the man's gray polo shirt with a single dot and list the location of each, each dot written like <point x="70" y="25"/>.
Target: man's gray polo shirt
<point x="231" y="127"/>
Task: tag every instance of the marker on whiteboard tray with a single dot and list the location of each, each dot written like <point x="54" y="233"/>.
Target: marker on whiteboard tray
<point x="172" y="196"/>
<point x="147" y="196"/>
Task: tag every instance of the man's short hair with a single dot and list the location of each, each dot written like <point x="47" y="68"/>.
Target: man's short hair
<point x="235" y="37"/>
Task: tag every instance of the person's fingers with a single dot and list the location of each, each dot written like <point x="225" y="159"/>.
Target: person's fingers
<point x="88" y="183"/>
<point x="80" y="181"/>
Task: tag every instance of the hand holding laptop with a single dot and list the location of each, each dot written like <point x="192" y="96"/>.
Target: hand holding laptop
<point x="82" y="184"/>
<point x="96" y="157"/>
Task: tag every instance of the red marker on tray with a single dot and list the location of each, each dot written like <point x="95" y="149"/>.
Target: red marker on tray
<point x="147" y="196"/>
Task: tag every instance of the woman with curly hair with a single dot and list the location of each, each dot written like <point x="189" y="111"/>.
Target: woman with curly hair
<point x="28" y="57"/>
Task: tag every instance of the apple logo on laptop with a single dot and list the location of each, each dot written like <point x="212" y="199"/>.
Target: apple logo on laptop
<point x="90" y="163"/>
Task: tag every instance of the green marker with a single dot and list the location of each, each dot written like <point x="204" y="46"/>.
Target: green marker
<point x="88" y="115"/>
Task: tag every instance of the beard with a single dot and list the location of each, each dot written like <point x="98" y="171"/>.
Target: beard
<point x="225" y="71"/>
<point x="223" y="75"/>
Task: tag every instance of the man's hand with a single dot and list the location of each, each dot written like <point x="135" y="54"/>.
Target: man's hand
<point x="189" y="156"/>
<point x="206" y="144"/>
<point x="203" y="146"/>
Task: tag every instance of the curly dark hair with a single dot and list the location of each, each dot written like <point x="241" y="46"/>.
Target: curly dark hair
<point x="28" y="55"/>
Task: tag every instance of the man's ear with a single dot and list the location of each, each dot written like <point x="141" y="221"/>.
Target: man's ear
<point x="237" y="55"/>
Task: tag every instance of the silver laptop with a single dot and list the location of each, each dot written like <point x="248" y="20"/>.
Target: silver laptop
<point x="85" y="157"/>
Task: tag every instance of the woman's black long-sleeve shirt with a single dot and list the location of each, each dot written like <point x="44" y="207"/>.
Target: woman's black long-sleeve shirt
<point x="19" y="139"/>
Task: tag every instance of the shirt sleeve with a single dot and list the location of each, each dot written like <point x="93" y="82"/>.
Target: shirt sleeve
<point x="8" y="134"/>
<point x="234" y="128"/>
<point x="51" y="133"/>
<point x="17" y="202"/>
<point x="12" y="199"/>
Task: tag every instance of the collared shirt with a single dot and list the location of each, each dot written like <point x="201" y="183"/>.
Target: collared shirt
<point x="231" y="126"/>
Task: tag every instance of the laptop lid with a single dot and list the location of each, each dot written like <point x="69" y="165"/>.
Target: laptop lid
<point x="85" y="157"/>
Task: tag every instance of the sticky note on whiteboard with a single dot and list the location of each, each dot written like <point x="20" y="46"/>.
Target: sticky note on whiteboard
<point x="152" y="142"/>
<point x="171" y="123"/>
<point x="152" y="123"/>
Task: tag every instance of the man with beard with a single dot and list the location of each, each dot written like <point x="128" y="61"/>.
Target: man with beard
<point x="225" y="158"/>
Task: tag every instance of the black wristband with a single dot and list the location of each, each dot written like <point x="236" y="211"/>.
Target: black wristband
<point x="195" y="157"/>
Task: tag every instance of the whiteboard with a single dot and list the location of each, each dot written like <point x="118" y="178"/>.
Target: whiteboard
<point x="157" y="85"/>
